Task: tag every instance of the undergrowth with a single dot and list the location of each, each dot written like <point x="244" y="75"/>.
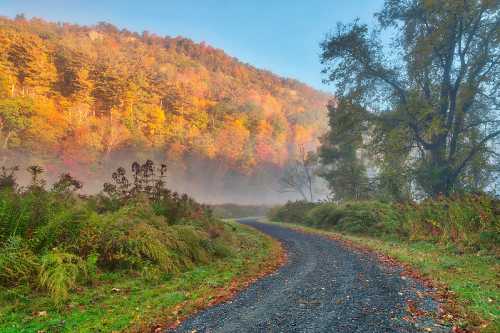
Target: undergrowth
<point x="139" y="300"/>
<point x="470" y="223"/>
<point x="55" y="241"/>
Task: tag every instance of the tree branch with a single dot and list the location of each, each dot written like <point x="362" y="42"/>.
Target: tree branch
<point x="473" y="152"/>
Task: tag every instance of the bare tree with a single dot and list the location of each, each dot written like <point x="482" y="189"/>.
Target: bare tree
<point x="299" y="175"/>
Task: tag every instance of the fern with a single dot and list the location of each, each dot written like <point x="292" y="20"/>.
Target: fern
<point x="157" y="232"/>
<point x="195" y="245"/>
<point x="63" y="227"/>
<point x="59" y="273"/>
<point x="17" y="263"/>
<point x="15" y="214"/>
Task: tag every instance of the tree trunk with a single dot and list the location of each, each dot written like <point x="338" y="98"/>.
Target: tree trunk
<point x="4" y="148"/>
<point x="440" y="171"/>
<point x="6" y="141"/>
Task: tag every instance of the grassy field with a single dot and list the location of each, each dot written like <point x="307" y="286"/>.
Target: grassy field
<point x="472" y="279"/>
<point x="120" y="302"/>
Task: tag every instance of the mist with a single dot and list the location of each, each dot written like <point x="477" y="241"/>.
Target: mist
<point x="210" y="181"/>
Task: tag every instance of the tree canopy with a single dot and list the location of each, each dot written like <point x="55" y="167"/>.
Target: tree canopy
<point x="424" y="105"/>
<point x="77" y="96"/>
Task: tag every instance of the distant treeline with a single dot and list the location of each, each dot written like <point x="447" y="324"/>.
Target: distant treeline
<point x="236" y="211"/>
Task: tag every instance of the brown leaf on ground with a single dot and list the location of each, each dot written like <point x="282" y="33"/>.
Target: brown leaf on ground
<point x="222" y="294"/>
<point x="449" y="309"/>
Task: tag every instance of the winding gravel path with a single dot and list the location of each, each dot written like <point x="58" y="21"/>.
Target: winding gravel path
<point x="324" y="287"/>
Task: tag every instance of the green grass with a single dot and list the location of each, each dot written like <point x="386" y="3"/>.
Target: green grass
<point x="473" y="278"/>
<point x="124" y="301"/>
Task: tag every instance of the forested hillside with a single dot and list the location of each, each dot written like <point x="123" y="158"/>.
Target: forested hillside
<point x="79" y="98"/>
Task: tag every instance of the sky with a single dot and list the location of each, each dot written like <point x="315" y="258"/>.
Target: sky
<point x="282" y="36"/>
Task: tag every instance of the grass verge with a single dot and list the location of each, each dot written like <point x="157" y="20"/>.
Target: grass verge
<point x="118" y="302"/>
<point x="467" y="283"/>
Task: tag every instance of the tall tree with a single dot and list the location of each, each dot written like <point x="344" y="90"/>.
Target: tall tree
<point x="73" y="75"/>
<point x="32" y="65"/>
<point x="15" y="119"/>
<point x="341" y="152"/>
<point x="435" y="85"/>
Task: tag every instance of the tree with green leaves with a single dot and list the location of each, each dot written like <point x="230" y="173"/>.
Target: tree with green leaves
<point x="429" y="96"/>
<point x="343" y="166"/>
<point x="15" y="118"/>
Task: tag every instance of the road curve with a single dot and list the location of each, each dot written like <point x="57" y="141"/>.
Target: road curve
<point x="324" y="287"/>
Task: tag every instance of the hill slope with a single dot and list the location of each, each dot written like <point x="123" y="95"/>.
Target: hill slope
<point x="78" y="97"/>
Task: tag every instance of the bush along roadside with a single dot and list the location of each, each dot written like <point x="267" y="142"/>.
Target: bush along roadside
<point x="233" y="211"/>
<point x="122" y="259"/>
<point x="451" y="241"/>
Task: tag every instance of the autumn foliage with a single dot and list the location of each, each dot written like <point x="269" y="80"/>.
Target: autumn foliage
<point x="79" y="95"/>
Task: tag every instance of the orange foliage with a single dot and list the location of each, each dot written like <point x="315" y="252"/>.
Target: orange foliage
<point x="80" y="94"/>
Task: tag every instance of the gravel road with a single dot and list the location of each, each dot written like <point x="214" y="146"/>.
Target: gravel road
<point x="324" y="287"/>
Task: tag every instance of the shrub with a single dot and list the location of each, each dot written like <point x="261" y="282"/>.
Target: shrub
<point x="326" y="215"/>
<point x="195" y="245"/>
<point x="17" y="213"/>
<point x="63" y="227"/>
<point x="18" y="264"/>
<point x="292" y="211"/>
<point x="470" y="222"/>
<point x="59" y="273"/>
<point x="369" y="217"/>
<point x="135" y="237"/>
<point x="464" y="220"/>
<point x="58" y="240"/>
<point x="128" y="241"/>
<point x="7" y="178"/>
